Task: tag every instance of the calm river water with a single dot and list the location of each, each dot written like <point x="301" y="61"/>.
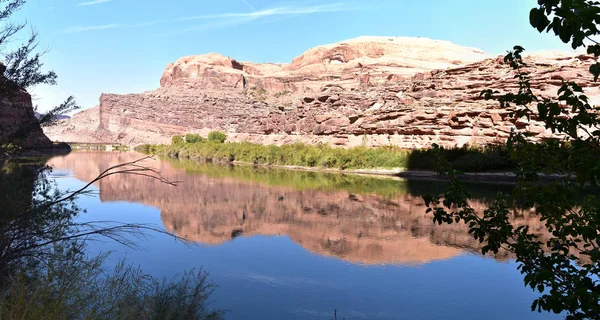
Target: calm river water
<point x="297" y="245"/>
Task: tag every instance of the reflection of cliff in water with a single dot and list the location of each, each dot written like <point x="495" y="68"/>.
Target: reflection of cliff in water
<point x="212" y="208"/>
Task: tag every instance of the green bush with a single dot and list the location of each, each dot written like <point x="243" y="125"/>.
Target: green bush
<point x="9" y="148"/>
<point x="193" y="138"/>
<point x="466" y="159"/>
<point x="297" y="154"/>
<point x="177" y="140"/>
<point x="217" y="136"/>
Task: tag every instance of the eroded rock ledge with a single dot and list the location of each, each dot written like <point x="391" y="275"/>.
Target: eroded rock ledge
<point x="374" y="91"/>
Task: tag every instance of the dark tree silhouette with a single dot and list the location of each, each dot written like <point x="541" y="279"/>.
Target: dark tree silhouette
<point x="565" y="269"/>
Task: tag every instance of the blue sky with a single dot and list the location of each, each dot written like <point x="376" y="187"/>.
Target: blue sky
<point x="122" y="46"/>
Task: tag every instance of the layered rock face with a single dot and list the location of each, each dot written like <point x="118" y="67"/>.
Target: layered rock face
<point x="363" y="228"/>
<point x="84" y="126"/>
<point x="372" y="91"/>
<point x="18" y="123"/>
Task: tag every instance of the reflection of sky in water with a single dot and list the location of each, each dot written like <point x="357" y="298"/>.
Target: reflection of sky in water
<point x="268" y="277"/>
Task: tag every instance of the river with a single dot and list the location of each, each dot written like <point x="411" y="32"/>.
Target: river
<point x="298" y="245"/>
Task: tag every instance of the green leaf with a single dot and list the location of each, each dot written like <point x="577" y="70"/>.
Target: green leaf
<point x="555" y="25"/>
<point x="534" y="305"/>
<point x="538" y="19"/>
<point x="595" y="70"/>
<point x="565" y="34"/>
<point x="543" y="110"/>
<point x="518" y="49"/>
<point x="594" y="49"/>
<point x="533" y="17"/>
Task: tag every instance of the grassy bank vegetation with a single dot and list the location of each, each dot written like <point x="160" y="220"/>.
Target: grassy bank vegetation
<point x="214" y="149"/>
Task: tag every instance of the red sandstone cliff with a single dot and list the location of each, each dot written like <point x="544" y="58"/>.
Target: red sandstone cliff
<point x="409" y="92"/>
<point x="16" y="115"/>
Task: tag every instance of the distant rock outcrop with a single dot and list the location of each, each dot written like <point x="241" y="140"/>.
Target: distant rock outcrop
<point x="374" y="91"/>
<point x="18" y="123"/>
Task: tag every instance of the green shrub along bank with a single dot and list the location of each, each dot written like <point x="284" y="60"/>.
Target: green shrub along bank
<point x="191" y="138"/>
<point x="177" y="140"/>
<point x="217" y="136"/>
<point x="468" y="159"/>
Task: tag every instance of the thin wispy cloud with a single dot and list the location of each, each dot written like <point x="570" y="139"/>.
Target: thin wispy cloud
<point x="280" y="11"/>
<point x="224" y="19"/>
<point x="248" y="5"/>
<point x="90" y="28"/>
<point x="148" y="23"/>
<point x="93" y="2"/>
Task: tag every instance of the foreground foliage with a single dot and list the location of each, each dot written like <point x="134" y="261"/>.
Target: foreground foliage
<point x="45" y="273"/>
<point x="73" y="287"/>
<point x="565" y="270"/>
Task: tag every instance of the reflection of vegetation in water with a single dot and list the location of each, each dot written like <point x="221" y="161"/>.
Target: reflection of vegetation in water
<point x="16" y="187"/>
<point x="353" y="183"/>
<point x="385" y="186"/>
<point x="298" y="180"/>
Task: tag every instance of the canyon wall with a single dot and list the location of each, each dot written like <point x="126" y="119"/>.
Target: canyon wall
<point x="372" y="91"/>
<point x="18" y="124"/>
<point x="360" y="227"/>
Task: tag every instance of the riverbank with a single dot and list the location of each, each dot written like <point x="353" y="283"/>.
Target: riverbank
<point x="405" y="173"/>
<point x="99" y="147"/>
<point x="11" y="152"/>
<point x="479" y="164"/>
